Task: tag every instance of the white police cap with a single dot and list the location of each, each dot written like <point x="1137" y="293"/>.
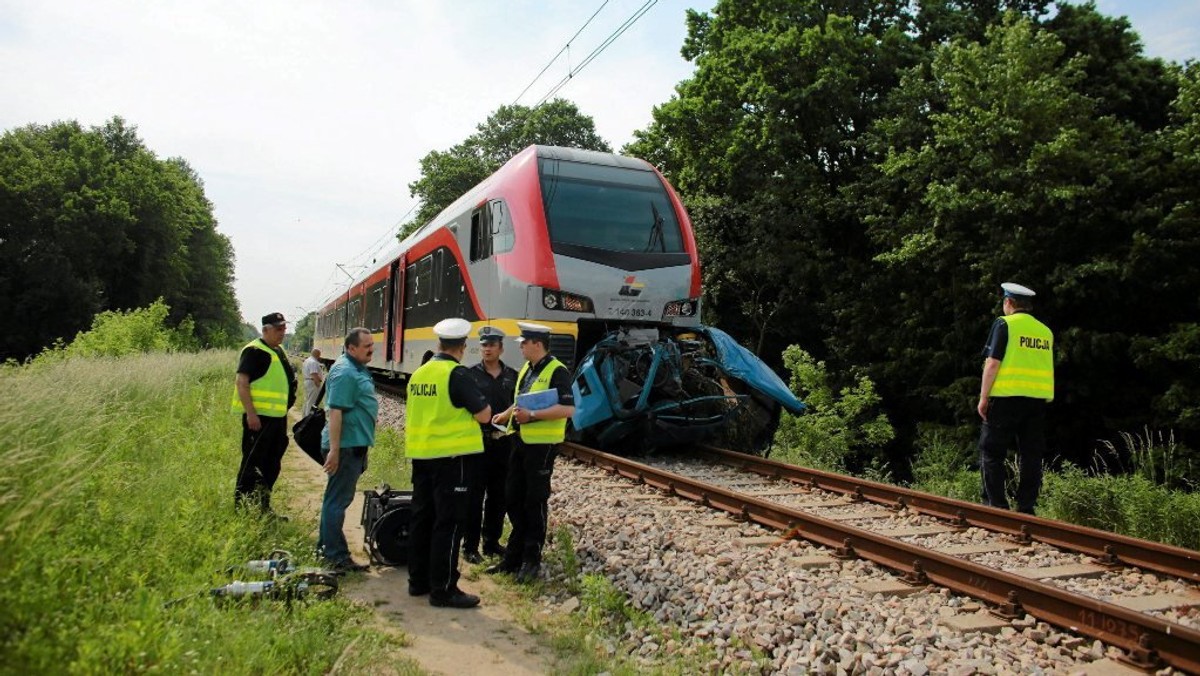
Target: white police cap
<point x="452" y="329"/>
<point x="1011" y="289"/>
<point x="531" y="330"/>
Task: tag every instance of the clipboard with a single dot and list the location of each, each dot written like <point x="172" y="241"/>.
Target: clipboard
<point x="536" y="401"/>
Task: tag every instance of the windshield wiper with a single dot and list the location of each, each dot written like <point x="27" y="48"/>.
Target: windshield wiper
<point x="656" y="231"/>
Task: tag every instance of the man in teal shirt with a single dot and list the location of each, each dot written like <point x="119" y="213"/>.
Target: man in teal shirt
<point x="353" y="408"/>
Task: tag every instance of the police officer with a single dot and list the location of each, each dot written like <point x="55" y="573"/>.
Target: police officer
<point x="532" y="461"/>
<point x="498" y="382"/>
<point x="264" y="390"/>
<point x="443" y="413"/>
<point x="1018" y="382"/>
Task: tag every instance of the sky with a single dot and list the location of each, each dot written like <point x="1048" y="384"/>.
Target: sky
<point x="307" y="120"/>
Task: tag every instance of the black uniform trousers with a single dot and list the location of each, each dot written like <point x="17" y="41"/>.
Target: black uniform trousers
<point x="262" y="456"/>
<point x="1019" y="422"/>
<point x="530" y="467"/>
<point x="441" y="497"/>
<point x="486" y="515"/>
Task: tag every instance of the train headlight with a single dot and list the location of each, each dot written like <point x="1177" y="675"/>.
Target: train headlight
<point x="567" y="302"/>
<point x="685" y="307"/>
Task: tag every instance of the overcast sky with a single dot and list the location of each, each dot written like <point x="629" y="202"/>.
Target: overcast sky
<point x="307" y="120"/>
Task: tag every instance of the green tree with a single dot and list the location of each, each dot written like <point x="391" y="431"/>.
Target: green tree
<point x="91" y="220"/>
<point x="1116" y="75"/>
<point x="447" y="174"/>
<point x="301" y="340"/>
<point x="863" y="175"/>
<point x="1166" y="254"/>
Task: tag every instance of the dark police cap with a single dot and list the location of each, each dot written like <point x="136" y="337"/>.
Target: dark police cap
<point x="274" y="319"/>
<point x="491" y="334"/>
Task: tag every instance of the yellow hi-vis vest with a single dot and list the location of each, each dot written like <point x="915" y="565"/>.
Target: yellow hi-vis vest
<point x="269" y="394"/>
<point x="541" y="431"/>
<point x="1027" y="369"/>
<point x="434" y="427"/>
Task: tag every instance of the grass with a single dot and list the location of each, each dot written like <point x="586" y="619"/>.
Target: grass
<point x="1135" y="503"/>
<point x="116" y="497"/>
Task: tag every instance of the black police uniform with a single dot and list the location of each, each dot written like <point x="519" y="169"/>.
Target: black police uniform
<point x="262" y="451"/>
<point x="1011" y="421"/>
<point x="441" y="490"/>
<point x="530" y="467"/>
<point x="491" y="467"/>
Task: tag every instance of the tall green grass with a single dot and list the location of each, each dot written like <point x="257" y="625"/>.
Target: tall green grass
<point x="1136" y="503"/>
<point x="116" y="497"/>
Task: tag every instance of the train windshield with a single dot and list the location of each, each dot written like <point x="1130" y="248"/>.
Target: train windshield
<point x="596" y="211"/>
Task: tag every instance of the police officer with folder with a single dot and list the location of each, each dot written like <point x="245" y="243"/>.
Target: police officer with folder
<point x="539" y="427"/>
<point x="443" y="414"/>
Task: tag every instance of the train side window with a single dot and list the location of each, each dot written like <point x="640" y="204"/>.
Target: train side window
<point x="502" y="229"/>
<point x="451" y="283"/>
<point x="410" y="286"/>
<point x="375" y="310"/>
<point x="481" y="235"/>
<point x="424" y="281"/>
<point x="436" y="284"/>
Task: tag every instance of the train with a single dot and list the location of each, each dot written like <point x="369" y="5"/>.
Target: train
<point x="577" y="240"/>
<point x="596" y="246"/>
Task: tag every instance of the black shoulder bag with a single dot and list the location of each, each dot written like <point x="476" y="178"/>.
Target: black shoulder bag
<point x="307" y="432"/>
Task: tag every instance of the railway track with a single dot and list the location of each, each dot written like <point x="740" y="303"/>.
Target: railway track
<point x="912" y="534"/>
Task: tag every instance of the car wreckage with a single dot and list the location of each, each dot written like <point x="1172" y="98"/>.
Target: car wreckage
<point x="640" y="390"/>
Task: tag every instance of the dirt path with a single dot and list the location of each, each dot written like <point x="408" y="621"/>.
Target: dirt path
<point x="447" y="641"/>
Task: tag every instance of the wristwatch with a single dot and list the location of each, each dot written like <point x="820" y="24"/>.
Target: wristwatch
<point x="533" y="415"/>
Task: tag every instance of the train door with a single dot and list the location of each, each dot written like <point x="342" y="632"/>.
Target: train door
<point x="395" y="318"/>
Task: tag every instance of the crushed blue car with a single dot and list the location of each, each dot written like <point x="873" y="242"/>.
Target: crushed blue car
<point x="643" y="389"/>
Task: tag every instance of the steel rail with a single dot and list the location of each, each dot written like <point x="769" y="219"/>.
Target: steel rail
<point x="1108" y="548"/>
<point x="1147" y="638"/>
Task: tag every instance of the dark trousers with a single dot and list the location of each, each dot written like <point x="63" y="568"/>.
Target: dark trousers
<point x="486" y="515"/>
<point x="1013" y="422"/>
<point x="262" y="455"/>
<point x="441" y="497"/>
<point x="530" y="467"/>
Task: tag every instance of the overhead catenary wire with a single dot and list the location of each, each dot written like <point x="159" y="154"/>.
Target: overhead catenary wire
<point x="565" y="49"/>
<point x="372" y="250"/>
<point x="620" y="30"/>
<point x="332" y="282"/>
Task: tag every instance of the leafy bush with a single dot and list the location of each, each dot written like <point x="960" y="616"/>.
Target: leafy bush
<point x="840" y="430"/>
<point x="943" y="467"/>
<point x="115" y="334"/>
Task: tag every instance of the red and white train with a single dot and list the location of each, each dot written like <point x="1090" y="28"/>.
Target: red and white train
<point x="581" y="241"/>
